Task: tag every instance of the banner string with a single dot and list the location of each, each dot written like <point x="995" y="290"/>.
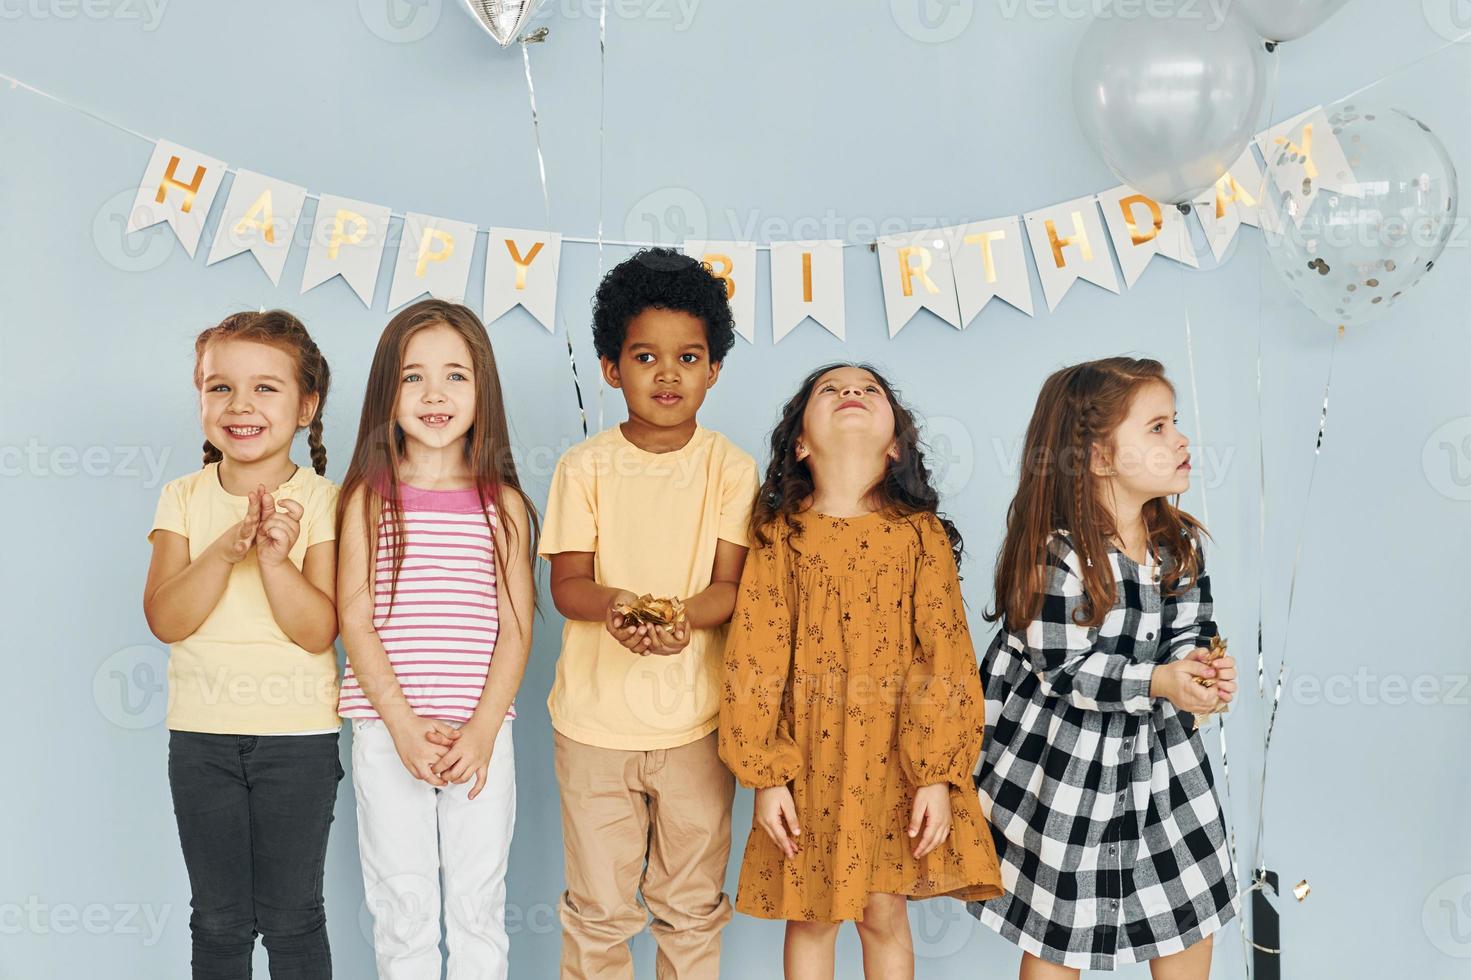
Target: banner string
<point x="598" y="240"/>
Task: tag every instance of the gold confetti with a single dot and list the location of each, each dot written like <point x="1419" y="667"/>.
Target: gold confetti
<point x="1302" y="889"/>
<point x="1217" y="651"/>
<point x="647" y="610"/>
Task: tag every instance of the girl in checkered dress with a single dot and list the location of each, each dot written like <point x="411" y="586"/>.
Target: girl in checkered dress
<point x="1101" y="801"/>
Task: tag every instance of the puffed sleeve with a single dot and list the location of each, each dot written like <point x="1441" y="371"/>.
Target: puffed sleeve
<point x="1187" y="616"/>
<point x="1062" y="652"/>
<point x="755" y="741"/>
<point x="942" y="715"/>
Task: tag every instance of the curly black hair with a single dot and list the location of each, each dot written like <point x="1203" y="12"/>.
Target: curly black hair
<point x="905" y="489"/>
<point x="664" y="279"/>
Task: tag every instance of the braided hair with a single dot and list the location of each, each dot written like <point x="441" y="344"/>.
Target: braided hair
<point x="1078" y="410"/>
<point x="284" y="331"/>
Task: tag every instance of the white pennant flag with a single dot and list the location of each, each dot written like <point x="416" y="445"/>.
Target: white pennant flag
<point x="989" y="261"/>
<point x="1235" y="200"/>
<point x="916" y="274"/>
<point x="347" y="240"/>
<point x="521" y="267"/>
<point x="1069" y="243"/>
<point x="806" y="280"/>
<point x="433" y="257"/>
<point x="1142" y="228"/>
<point x="178" y="186"/>
<point x="734" y="264"/>
<point x="260" y="218"/>
<point x="1304" y="157"/>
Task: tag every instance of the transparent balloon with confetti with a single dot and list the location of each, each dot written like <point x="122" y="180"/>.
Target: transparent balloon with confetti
<point x="1361" y="202"/>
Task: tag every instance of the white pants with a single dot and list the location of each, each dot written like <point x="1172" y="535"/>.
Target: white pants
<point x="408" y="832"/>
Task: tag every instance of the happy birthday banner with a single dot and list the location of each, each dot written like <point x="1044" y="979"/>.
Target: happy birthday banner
<point x="954" y="272"/>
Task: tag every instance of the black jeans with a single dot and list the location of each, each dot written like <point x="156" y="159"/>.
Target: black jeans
<point x="253" y="814"/>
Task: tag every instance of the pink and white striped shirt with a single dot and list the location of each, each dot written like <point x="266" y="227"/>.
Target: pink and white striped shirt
<point x="441" y="632"/>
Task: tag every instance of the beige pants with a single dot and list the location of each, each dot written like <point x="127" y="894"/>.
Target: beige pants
<point x="657" y="822"/>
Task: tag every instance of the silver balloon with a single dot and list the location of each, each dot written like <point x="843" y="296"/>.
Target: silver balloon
<point x="1171" y="101"/>
<point x="1353" y="257"/>
<point x="1287" y="20"/>
<point x="503" y="20"/>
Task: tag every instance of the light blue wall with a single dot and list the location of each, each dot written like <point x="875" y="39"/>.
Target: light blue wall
<point x="749" y="116"/>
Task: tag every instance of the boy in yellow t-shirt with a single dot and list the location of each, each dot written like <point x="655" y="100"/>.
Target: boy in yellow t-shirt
<point x="657" y="505"/>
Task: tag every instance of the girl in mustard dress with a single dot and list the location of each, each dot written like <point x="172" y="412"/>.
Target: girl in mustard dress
<point x="852" y="700"/>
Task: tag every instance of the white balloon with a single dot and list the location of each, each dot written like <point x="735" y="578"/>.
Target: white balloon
<point x="1170" y="102"/>
<point x="503" y="20"/>
<point x="1287" y="20"/>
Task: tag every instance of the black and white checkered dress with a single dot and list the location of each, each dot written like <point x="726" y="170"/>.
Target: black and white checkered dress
<point x="1101" y="801"/>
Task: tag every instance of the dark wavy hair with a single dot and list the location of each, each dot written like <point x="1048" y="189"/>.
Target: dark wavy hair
<point x="285" y="332"/>
<point x="664" y="279"/>
<point x="902" y="491"/>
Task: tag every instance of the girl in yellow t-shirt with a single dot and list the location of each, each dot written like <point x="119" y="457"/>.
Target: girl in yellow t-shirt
<point x="240" y="587"/>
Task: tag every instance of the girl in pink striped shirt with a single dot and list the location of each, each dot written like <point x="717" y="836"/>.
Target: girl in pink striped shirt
<point x="435" y="597"/>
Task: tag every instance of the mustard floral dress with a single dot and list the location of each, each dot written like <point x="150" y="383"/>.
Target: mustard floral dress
<point x="850" y="676"/>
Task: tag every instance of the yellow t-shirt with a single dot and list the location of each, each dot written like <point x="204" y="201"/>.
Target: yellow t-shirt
<point x="238" y="673"/>
<point x="651" y="521"/>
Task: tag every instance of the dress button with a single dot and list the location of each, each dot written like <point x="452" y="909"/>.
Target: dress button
<point x="1149" y="636"/>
